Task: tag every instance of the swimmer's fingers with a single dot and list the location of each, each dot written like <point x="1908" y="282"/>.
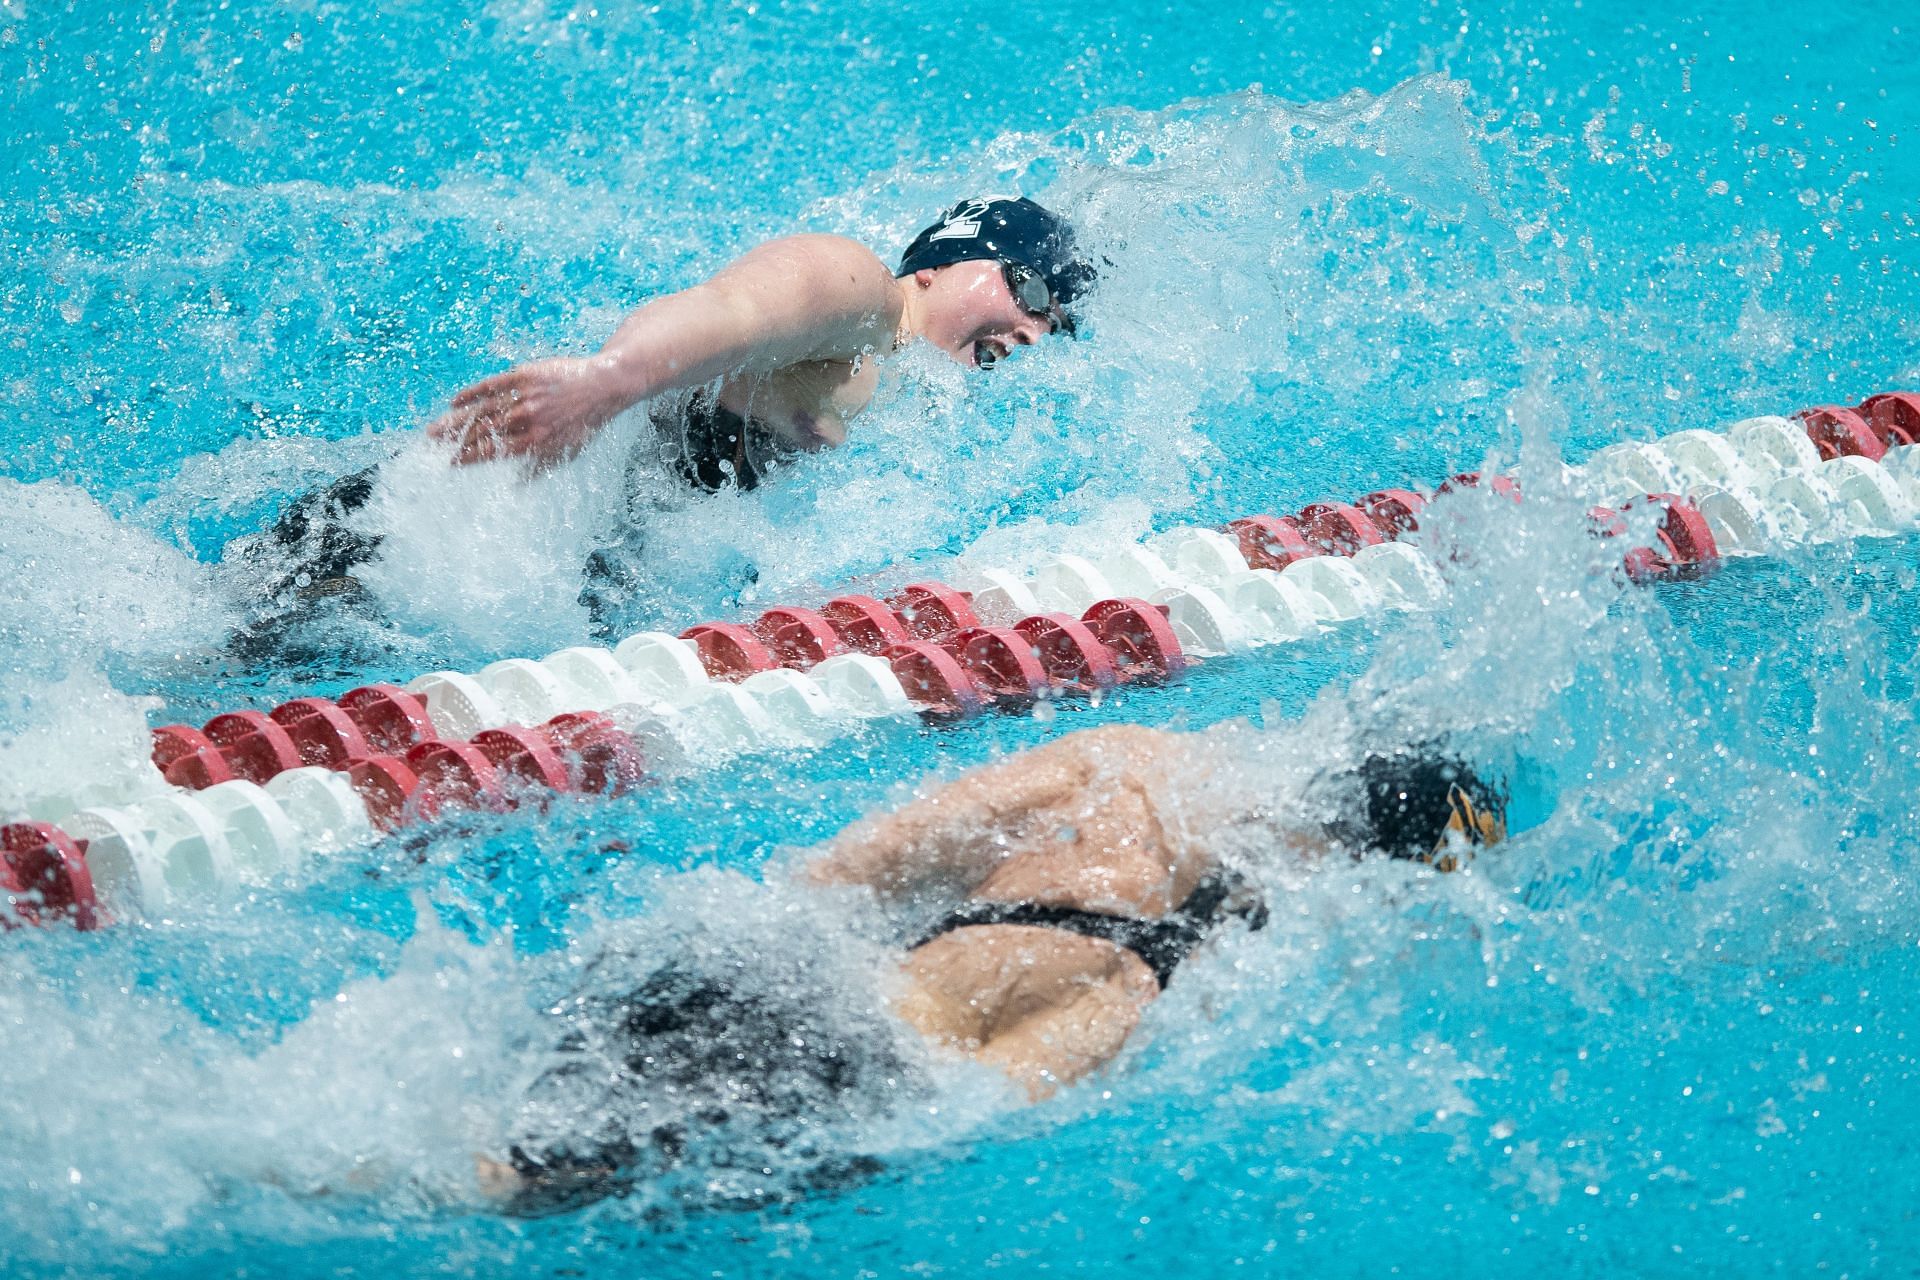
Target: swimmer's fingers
<point x="474" y="436"/>
<point x="485" y="411"/>
<point x="545" y="411"/>
<point x="481" y="429"/>
<point x="485" y="389"/>
<point x="479" y="446"/>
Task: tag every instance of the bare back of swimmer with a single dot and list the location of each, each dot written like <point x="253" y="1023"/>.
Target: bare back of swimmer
<point x="1078" y="898"/>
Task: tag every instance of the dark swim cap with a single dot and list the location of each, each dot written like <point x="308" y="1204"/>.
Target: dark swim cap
<point x="1413" y="800"/>
<point x="1002" y="230"/>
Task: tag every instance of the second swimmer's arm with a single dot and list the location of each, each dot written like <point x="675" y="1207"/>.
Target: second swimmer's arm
<point x="791" y="301"/>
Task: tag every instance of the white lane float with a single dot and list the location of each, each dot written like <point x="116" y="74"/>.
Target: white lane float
<point x="1069" y="584"/>
<point x="325" y="810"/>
<point x="664" y="668"/>
<point x="1773" y="446"/>
<point x="149" y="854"/>
<point x="1206" y="556"/>
<point x="1206" y="625"/>
<point x="1274" y="609"/>
<point x="1706" y="458"/>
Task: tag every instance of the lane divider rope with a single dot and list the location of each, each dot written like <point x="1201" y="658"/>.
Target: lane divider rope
<point x="251" y="796"/>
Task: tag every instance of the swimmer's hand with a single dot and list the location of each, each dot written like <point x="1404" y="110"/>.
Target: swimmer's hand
<point x="545" y="410"/>
<point x="499" y="1182"/>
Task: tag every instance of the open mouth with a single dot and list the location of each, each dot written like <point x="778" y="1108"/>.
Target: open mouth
<point x="987" y="353"/>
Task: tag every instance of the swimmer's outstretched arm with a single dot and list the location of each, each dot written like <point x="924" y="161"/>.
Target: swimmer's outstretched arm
<point x="803" y="298"/>
<point x="956" y="834"/>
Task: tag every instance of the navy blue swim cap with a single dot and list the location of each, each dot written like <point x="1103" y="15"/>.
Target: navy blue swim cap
<point x="1002" y="230"/>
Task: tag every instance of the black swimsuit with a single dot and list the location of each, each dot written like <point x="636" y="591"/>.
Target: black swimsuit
<point x="718" y="446"/>
<point x="1163" y="942"/>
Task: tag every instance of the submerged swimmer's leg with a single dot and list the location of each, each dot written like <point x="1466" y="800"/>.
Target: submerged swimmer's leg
<point x="690" y="1067"/>
<point x="610" y="583"/>
<point x="306" y="560"/>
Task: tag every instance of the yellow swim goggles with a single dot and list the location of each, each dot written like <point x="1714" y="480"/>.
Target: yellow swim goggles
<point x="1476" y="826"/>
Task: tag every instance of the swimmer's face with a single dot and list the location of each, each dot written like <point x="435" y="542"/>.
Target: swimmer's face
<point x="970" y="313"/>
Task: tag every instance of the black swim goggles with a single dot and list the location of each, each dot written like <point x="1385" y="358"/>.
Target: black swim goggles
<point x="1035" y="296"/>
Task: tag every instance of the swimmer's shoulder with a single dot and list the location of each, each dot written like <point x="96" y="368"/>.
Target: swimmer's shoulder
<point x="819" y="260"/>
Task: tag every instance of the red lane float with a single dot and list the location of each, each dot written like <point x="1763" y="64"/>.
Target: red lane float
<point x="1605" y="522"/>
<point x="454" y="775"/>
<point x="798" y="637"/>
<point x="1140" y="639"/>
<point x="1641" y="563"/>
<point x="199" y="770"/>
<point x="932" y="610"/>
<point x="1002" y="664"/>
<point x="391" y="719"/>
<point x="1272" y="542"/>
<point x="1839" y="432"/>
<point x="1894" y="417"/>
<point x="173" y="742"/>
<point x="1683" y="528"/>
<point x="1075" y="659"/>
<point x="1644" y="564"/>
<point x="864" y="624"/>
<point x="526" y="760"/>
<point x="1395" y="511"/>
<point x="43" y="872"/>
<point x="1502" y="485"/>
<point x="601" y="758"/>
<point x="321" y="732"/>
<point x="1339" y="528"/>
<point x="253" y="745"/>
<point x="730" y="651"/>
<point x="385" y="783"/>
<point x="934" y="680"/>
<point x="1685" y="542"/>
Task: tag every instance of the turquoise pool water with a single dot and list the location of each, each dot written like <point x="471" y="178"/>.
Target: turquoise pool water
<point x="1667" y="1031"/>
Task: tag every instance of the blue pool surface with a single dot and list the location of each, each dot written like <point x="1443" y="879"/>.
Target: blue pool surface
<point x="1668" y="1030"/>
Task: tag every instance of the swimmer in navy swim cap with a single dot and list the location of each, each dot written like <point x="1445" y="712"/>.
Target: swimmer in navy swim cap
<point x="780" y="348"/>
<point x="767" y="359"/>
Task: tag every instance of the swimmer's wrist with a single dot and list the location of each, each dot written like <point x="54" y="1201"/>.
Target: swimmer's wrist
<point x="622" y="379"/>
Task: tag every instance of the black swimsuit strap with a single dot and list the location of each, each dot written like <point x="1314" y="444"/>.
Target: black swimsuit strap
<point x="1162" y="942"/>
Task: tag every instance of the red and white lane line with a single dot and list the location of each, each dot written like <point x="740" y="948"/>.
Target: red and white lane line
<point x="250" y="796"/>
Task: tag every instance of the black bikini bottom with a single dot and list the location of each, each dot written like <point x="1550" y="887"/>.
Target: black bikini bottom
<point x="1162" y="942"/>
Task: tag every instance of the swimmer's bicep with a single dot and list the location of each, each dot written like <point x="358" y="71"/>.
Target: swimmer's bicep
<point x="806" y="298"/>
<point x="788" y="302"/>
